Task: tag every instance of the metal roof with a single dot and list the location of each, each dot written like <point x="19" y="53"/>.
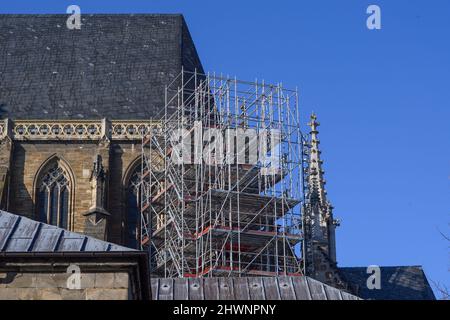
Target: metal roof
<point x="20" y="234"/>
<point x="252" y="288"/>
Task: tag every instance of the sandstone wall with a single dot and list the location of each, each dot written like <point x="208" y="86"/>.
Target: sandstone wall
<point x="53" y="286"/>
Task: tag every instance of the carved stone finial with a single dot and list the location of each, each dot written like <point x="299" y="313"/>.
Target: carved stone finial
<point x="98" y="171"/>
<point x="96" y="216"/>
<point x="313" y="123"/>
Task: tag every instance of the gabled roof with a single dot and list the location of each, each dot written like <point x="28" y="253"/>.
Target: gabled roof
<point x="20" y="234"/>
<point x="252" y="288"/>
<point x="115" y="67"/>
<point x="397" y="283"/>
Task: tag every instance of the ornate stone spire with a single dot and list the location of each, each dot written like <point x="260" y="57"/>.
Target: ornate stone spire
<point x="315" y="178"/>
<point x="321" y="213"/>
<point x="320" y="243"/>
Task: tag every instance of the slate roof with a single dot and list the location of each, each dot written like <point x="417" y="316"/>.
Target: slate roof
<point x="115" y="67"/>
<point x="20" y="234"/>
<point x="397" y="283"/>
<point x="254" y="288"/>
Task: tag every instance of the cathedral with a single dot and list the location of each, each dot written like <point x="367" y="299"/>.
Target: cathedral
<point x="73" y="105"/>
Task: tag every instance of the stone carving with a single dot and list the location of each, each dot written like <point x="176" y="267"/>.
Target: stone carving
<point x="76" y="130"/>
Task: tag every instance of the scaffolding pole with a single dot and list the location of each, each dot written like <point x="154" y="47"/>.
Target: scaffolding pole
<point x="223" y="180"/>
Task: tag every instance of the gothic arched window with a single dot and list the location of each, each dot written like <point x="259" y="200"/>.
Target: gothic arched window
<point x="133" y="194"/>
<point x="53" y="192"/>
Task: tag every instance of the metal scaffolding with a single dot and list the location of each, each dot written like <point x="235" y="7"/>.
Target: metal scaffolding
<point x="223" y="180"/>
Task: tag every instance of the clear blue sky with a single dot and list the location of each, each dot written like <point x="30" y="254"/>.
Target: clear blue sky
<point x="382" y="97"/>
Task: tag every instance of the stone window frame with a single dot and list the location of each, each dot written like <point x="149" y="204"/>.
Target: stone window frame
<point x="43" y="170"/>
<point x="135" y="169"/>
<point x="134" y="166"/>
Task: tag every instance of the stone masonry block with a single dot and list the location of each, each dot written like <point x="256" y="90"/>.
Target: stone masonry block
<point x="106" y="294"/>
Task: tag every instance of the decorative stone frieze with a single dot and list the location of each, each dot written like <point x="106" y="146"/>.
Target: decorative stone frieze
<point x="76" y="129"/>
